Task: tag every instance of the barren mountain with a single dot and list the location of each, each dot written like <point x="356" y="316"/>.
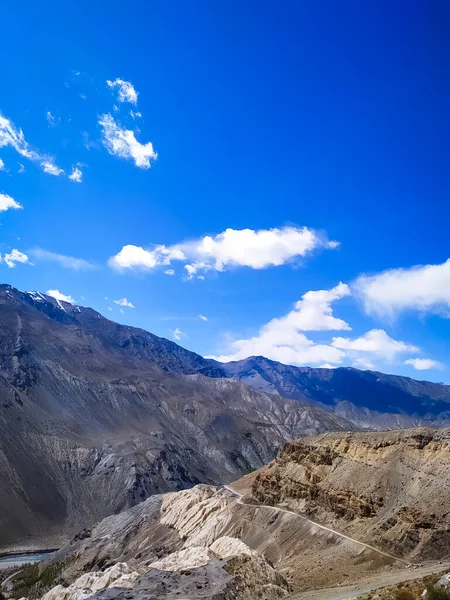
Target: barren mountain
<point x="390" y="489"/>
<point x="367" y="398"/>
<point x="90" y="424"/>
<point x="203" y="543"/>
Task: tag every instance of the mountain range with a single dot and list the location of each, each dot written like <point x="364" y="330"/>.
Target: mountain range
<point x="96" y="416"/>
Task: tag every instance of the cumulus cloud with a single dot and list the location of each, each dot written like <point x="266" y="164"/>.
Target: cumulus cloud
<point x="123" y="143"/>
<point x="202" y="318"/>
<point x="2" y="165"/>
<point x="76" y="175"/>
<point x="226" y="250"/>
<point x="282" y="339"/>
<point x="7" y="203"/>
<point x="422" y="288"/>
<point x="67" y="262"/>
<point x="169" y="272"/>
<point x="15" y="256"/>
<point x="10" y="135"/>
<point x="177" y="334"/>
<point x="314" y="313"/>
<point x="376" y="342"/>
<point x="51" y="168"/>
<point x="327" y="366"/>
<point x="57" y="295"/>
<point x="126" y="91"/>
<point x="423" y="364"/>
<point x="124" y="302"/>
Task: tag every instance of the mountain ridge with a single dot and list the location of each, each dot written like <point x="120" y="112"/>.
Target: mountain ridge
<point x="90" y="423"/>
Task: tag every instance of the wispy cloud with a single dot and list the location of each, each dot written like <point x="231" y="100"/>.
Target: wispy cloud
<point x="51" y="119"/>
<point x="177" y="334"/>
<point x="123" y="143"/>
<point x="57" y="295"/>
<point x="2" y="165"/>
<point x="67" y="262"/>
<point x="7" y="203"/>
<point x="10" y="135"/>
<point x="51" y="168"/>
<point x="202" y="318"/>
<point x="76" y="175"/>
<point x="126" y="91"/>
<point x="124" y="302"/>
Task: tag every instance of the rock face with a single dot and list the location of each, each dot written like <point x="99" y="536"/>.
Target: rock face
<point x="166" y="547"/>
<point x="95" y="417"/>
<point x="369" y="399"/>
<point x="390" y="489"/>
<point x="203" y="543"/>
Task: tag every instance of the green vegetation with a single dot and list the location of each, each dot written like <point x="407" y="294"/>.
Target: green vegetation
<point x="33" y="581"/>
<point x="437" y="593"/>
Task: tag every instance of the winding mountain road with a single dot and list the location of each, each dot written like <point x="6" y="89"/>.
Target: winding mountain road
<point x="239" y="500"/>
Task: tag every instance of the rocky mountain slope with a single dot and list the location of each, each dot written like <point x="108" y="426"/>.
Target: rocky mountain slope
<point x="201" y="543"/>
<point x="95" y="417"/>
<point x="390" y="489"/>
<point x="369" y="399"/>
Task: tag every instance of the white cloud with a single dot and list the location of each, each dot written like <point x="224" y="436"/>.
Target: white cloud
<point x="423" y="287"/>
<point x="12" y="136"/>
<point x="281" y="339"/>
<point x="76" y="175"/>
<point x="109" y="308"/>
<point x="135" y="115"/>
<point x="327" y="366"/>
<point x="126" y="91"/>
<point x="52" y="120"/>
<point x="423" y="364"/>
<point x="121" y="310"/>
<point x="57" y="295"/>
<point x="6" y="203"/>
<point x="123" y="143"/>
<point x="21" y="168"/>
<point x="67" y="262"/>
<point x="169" y="272"/>
<point x="363" y="363"/>
<point x="13" y="257"/>
<point x="202" y="317"/>
<point x="177" y="334"/>
<point x="314" y="313"/>
<point x="2" y="165"/>
<point x="376" y="342"/>
<point x="231" y="248"/>
<point x="51" y="168"/>
<point x="124" y="302"/>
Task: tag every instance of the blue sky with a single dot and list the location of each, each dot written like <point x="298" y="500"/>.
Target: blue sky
<point x="287" y="127"/>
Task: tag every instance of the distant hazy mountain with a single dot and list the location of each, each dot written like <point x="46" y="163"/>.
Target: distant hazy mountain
<point x="367" y="398"/>
<point x="96" y="416"/>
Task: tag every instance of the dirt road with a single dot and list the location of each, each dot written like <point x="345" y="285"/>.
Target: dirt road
<point x="238" y="497"/>
<point x="370" y="584"/>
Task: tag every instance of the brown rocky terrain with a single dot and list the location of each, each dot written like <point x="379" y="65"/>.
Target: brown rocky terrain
<point x="390" y="489"/>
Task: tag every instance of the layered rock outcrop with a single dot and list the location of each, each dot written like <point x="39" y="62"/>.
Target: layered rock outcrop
<point x="387" y="488"/>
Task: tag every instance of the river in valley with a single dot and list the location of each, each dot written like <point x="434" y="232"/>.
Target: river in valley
<point x="18" y="560"/>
